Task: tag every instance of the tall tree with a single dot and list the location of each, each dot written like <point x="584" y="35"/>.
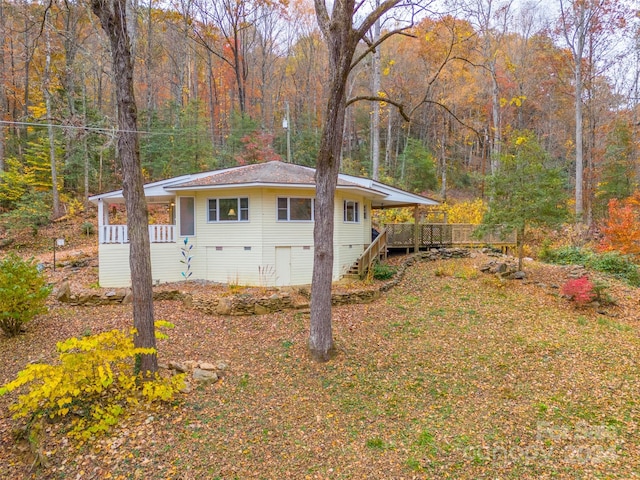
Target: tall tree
<point x="342" y="36"/>
<point x="46" y="90"/>
<point x="584" y="25"/>
<point x="112" y="15"/>
<point x="3" y="96"/>
<point x="527" y="191"/>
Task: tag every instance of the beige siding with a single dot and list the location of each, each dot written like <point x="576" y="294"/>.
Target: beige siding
<point x="115" y="271"/>
<point x="296" y="235"/>
<point x="350" y="239"/>
<point x="244" y="253"/>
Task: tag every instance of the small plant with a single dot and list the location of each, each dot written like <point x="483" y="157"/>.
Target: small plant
<point x="266" y="274"/>
<point x="186" y="258"/>
<point x="579" y="290"/>
<point x="87" y="228"/>
<point x="444" y="270"/>
<point x="23" y="292"/>
<point x="92" y="386"/>
<point x="601" y="295"/>
<point x="466" y="273"/>
<point x="375" y="443"/>
<point x="382" y="271"/>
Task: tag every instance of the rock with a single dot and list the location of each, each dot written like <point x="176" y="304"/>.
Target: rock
<point x="206" y="366"/>
<point x="499" y="268"/>
<point x="63" y="293"/>
<point x="224" y="306"/>
<point x="128" y="298"/>
<point x="190" y="364"/>
<point x="261" y="309"/>
<point x="204" y="376"/>
<point x="187" y="300"/>
<point x="519" y="275"/>
<point x="222" y="366"/>
<point x="179" y="367"/>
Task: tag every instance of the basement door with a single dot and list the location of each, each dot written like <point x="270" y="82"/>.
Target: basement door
<point x="283" y="266"/>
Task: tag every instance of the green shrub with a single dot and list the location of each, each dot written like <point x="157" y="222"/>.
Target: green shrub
<point x="382" y="271"/>
<point x="23" y="292"/>
<point x="613" y="263"/>
<point x="92" y="386"/>
<point x="88" y="228"/>
<point x="617" y="265"/>
<point x="565" y="255"/>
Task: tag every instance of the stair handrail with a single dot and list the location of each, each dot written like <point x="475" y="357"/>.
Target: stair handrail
<point x="372" y="252"/>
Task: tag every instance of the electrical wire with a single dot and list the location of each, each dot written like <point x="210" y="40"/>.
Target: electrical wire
<point x="109" y="131"/>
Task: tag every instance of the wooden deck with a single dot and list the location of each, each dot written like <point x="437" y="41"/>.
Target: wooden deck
<point x="427" y="235"/>
<point x="434" y="235"/>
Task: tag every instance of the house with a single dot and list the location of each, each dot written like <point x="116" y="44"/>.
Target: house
<point x="247" y="225"/>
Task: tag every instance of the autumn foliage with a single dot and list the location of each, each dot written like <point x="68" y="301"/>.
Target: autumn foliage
<point x="579" y="290"/>
<point x="622" y="228"/>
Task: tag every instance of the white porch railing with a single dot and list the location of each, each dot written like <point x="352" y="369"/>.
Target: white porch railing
<point x="120" y="234"/>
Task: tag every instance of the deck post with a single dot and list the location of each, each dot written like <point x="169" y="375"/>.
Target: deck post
<point x="416" y="230"/>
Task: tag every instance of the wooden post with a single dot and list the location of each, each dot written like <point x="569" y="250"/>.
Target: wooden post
<point x="416" y="231"/>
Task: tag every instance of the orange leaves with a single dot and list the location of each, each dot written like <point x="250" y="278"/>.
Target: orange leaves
<point x="622" y="228"/>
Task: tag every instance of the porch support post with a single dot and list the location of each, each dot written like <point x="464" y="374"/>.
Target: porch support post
<point x="101" y="221"/>
<point x="416" y="231"/>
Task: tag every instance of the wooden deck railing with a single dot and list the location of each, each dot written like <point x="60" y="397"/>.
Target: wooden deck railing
<point x="120" y="234"/>
<point x="403" y="235"/>
<point x="377" y="249"/>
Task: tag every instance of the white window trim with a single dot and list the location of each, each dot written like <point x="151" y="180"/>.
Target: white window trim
<point x="288" y="220"/>
<point x="179" y="217"/>
<point x="356" y="211"/>
<point x="217" y="199"/>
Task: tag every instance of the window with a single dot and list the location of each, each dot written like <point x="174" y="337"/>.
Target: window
<point x="291" y="209"/>
<point x="351" y="211"/>
<point x="187" y="216"/>
<point x="228" y="210"/>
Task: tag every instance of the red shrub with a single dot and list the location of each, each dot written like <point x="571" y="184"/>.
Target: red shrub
<point x="580" y="290"/>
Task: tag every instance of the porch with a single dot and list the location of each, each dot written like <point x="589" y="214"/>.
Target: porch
<point x="109" y="234"/>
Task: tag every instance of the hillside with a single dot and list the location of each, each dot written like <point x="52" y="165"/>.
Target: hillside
<point x="452" y="374"/>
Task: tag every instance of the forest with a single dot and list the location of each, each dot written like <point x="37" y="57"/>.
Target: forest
<point x="224" y="82"/>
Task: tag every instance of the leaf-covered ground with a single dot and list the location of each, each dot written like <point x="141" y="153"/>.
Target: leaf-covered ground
<point x="453" y="374"/>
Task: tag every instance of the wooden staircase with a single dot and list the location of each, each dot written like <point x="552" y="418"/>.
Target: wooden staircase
<point x="376" y="250"/>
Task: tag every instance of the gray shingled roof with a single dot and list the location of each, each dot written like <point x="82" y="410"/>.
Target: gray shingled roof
<point x="271" y="172"/>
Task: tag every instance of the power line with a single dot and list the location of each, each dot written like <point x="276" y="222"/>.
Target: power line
<point x="104" y="130"/>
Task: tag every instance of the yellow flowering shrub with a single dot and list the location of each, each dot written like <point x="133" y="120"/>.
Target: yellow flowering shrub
<point x="92" y="386"/>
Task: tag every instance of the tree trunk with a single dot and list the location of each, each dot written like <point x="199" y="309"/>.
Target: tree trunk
<point x="46" y="90"/>
<point x="112" y="15"/>
<point x="375" y="118"/>
<point x="341" y="49"/>
<point x="579" y="149"/>
<point x="3" y="94"/>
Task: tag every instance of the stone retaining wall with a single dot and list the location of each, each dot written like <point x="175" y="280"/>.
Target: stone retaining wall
<point x="246" y="304"/>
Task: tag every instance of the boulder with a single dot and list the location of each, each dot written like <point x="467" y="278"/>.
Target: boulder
<point x="204" y="376"/>
<point x="63" y="294"/>
<point x="179" y="367"/>
<point x="206" y="366"/>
